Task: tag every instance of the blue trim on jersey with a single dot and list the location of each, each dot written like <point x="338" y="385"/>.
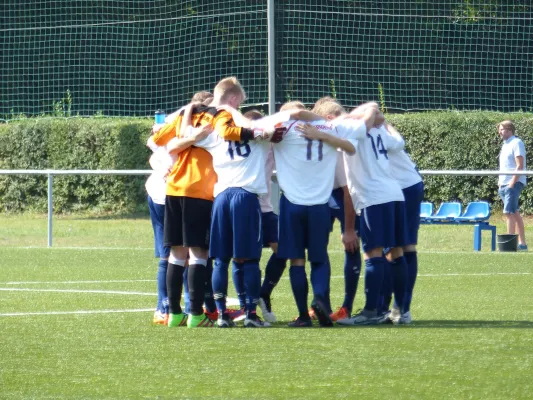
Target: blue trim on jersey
<point x="413" y="197"/>
<point x="236" y="225"/>
<point x="157" y="215"/>
<point x="303" y="227"/>
<point x="383" y="225"/>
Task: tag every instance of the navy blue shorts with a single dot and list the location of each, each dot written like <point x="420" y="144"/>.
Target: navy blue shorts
<point x="383" y="225"/>
<point x="413" y="197"/>
<point x="303" y="227"/>
<point x="157" y="215"/>
<point x="269" y="224"/>
<point x="236" y="225"/>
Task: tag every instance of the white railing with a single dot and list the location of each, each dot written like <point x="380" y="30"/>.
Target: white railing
<point x="275" y="188"/>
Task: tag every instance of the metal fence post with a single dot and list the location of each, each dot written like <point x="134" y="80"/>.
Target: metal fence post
<point x="50" y="208"/>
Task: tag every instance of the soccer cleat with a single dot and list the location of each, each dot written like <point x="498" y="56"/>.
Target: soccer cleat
<point x="364" y="317"/>
<point x="213" y="316"/>
<point x="199" y="321"/>
<point x="160" y="318"/>
<point x="341" y="313"/>
<point x="405" y="319"/>
<point x="322" y="313"/>
<point x="521" y="247"/>
<point x="385" y="318"/>
<point x="395" y="315"/>
<point x="225" y="321"/>
<point x="253" y="321"/>
<point x="266" y="309"/>
<point x="175" y="320"/>
<point x="236" y="314"/>
<point x="301" y="323"/>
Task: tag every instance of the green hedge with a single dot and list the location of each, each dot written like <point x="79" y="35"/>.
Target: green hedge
<point x="435" y="140"/>
<point x="462" y="140"/>
<point x="74" y="143"/>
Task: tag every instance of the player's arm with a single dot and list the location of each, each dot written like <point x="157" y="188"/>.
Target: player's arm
<point x="304" y="115"/>
<point x="164" y="135"/>
<point x="312" y="133"/>
<point x="188" y="136"/>
<point x="238" y="118"/>
<point x="227" y="130"/>
<point x="349" y="237"/>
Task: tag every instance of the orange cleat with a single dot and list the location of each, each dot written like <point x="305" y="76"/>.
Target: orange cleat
<point x="341" y="313"/>
<point x="160" y="318"/>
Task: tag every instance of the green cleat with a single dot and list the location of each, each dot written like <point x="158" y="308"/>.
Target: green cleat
<point x="177" y="320"/>
<point x="199" y="321"/>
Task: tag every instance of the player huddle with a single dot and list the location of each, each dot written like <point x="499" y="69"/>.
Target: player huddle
<point x="215" y="167"/>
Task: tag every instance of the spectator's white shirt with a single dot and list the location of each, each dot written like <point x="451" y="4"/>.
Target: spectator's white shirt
<point x="156" y="184"/>
<point x="306" y="168"/>
<point x="370" y="181"/>
<point x="237" y="164"/>
<point x="270" y="165"/>
<point x="512" y="147"/>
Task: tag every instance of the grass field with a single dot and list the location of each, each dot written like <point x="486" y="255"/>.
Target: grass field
<point x="75" y="323"/>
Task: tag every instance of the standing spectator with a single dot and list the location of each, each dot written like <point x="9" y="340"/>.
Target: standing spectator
<point x="512" y="158"/>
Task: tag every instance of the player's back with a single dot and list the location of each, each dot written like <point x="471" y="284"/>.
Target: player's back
<point x="403" y="169"/>
<point x="368" y="170"/>
<point x="305" y="168"/>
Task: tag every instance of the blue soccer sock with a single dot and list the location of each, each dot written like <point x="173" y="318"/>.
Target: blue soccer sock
<point x="385" y="296"/>
<point x="238" y="281"/>
<point x="399" y="281"/>
<point x="273" y="272"/>
<point x="220" y="283"/>
<point x="252" y="284"/>
<point x="320" y="277"/>
<point x="352" y="271"/>
<point x="209" y="300"/>
<point x="300" y="289"/>
<point x="186" y="297"/>
<point x="162" y="286"/>
<point x="373" y="280"/>
<point x="412" y="271"/>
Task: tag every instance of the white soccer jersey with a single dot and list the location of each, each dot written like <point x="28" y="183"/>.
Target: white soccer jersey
<point x="370" y="181"/>
<point x="403" y="169"/>
<point x="306" y="168"/>
<point x="237" y="164"/>
<point x="156" y="184"/>
<point x="270" y="165"/>
<point x="340" y="173"/>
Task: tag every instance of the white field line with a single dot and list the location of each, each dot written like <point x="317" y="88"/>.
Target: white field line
<point x="20" y="314"/>
<point x="485" y="252"/>
<point x="75" y="282"/>
<point x="78" y="291"/>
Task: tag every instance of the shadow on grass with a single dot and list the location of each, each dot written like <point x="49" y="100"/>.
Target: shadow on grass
<point x="439" y="324"/>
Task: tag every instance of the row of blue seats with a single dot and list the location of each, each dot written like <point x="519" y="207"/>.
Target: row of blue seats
<point x="476" y="211"/>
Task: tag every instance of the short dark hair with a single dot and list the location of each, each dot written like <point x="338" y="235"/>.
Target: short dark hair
<point x="253" y="114"/>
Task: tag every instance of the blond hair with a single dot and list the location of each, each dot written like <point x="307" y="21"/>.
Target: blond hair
<point x="293" y="105"/>
<point x="253" y="115"/>
<point x="325" y="99"/>
<point x="507" y="125"/>
<point x="229" y="87"/>
<point x="202" y="97"/>
<point x="329" y="108"/>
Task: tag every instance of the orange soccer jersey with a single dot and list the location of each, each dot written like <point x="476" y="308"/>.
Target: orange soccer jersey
<point x="193" y="175"/>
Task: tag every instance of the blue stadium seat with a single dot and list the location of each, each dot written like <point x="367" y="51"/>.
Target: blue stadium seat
<point x="446" y="212"/>
<point x="476" y="211"/>
<point x="426" y="210"/>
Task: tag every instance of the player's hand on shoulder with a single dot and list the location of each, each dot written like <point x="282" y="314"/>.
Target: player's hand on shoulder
<point x="309" y="131"/>
<point x="273" y="134"/>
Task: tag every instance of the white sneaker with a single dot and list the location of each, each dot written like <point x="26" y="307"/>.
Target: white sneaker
<point x="362" y="318"/>
<point x="266" y="311"/>
<point x="405" y="319"/>
<point x="255" y="323"/>
<point x="395" y="315"/>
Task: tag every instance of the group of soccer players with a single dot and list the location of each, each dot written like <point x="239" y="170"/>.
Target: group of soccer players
<point x="216" y="171"/>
